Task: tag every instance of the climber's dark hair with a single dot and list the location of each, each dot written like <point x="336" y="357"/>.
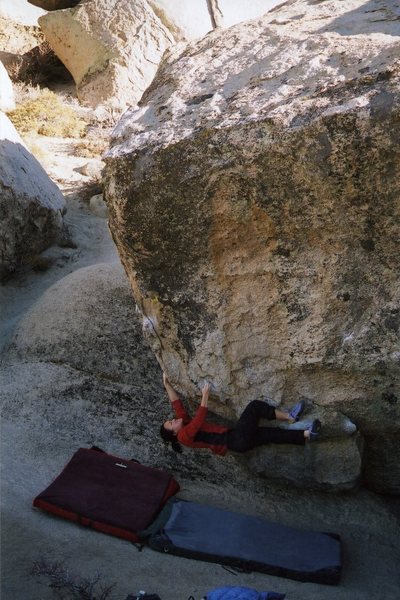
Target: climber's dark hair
<point x="170" y="438"/>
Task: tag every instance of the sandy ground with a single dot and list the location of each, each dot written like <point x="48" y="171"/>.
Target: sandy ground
<point x="40" y="432"/>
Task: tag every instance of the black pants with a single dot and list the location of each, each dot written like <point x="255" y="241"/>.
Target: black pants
<point x="247" y="434"/>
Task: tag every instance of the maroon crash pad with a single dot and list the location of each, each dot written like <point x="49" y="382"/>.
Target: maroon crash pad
<point x="108" y="493"/>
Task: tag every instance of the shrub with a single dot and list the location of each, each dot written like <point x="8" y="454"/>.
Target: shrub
<point x="62" y="581"/>
<point x="47" y="116"/>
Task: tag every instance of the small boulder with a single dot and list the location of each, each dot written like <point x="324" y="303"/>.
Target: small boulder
<point x="98" y="206"/>
<point x="93" y="169"/>
<point x="329" y="465"/>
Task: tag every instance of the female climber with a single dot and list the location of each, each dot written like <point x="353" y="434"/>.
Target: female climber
<point x="247" y="434"/>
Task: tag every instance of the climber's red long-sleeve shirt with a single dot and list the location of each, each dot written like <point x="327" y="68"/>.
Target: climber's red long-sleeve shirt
<point x="197" y="433"/>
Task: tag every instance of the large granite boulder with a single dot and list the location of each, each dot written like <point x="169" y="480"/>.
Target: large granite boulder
<point x="31" y="205"/>
<point x="111" y="48"/>
<point x="254" y="200"/>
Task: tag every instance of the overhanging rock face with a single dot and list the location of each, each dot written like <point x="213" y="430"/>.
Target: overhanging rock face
<point x="255" y="202"/>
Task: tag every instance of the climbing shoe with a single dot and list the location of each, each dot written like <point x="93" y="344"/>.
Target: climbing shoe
<point x="297" y="410"/>
<point x="314" y="430"/>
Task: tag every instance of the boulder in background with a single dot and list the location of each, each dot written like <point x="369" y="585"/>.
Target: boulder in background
<point x="111" y="48"/>
<point x="31" y="205"/>
<point x="7" y="99"/>
<point x="19" y="30"/>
